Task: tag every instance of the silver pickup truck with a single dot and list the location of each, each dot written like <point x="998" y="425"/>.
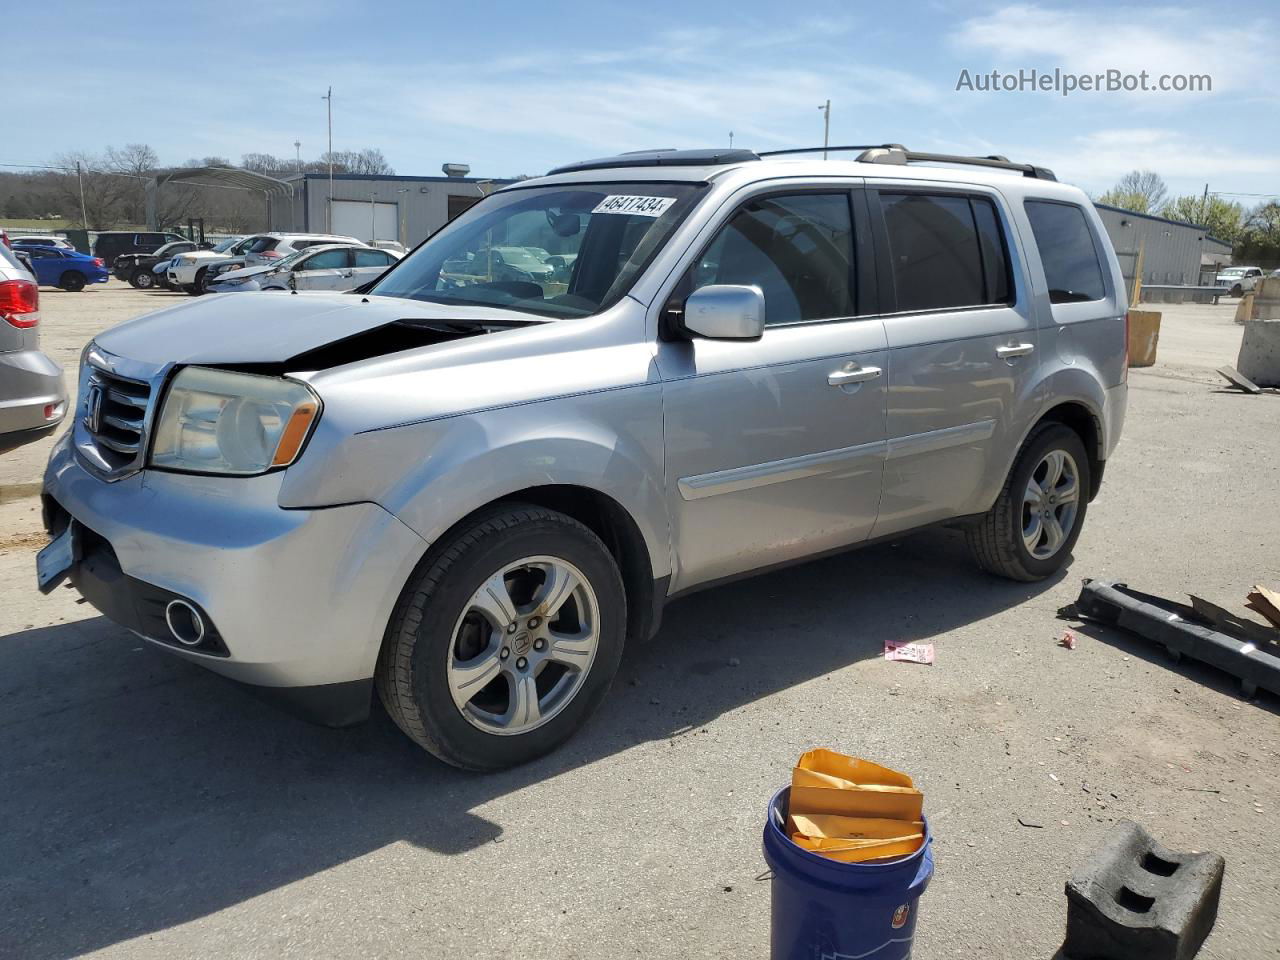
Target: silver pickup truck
<point x="467" y="487"/>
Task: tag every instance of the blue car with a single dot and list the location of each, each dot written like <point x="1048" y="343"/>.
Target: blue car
<point x="68" y="269"/>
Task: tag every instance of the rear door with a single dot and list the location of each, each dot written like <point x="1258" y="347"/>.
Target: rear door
<point x="962" y="339"/>
<point x="367" y="265"/>
<point x="774" y="447"/>
<point x="326" y="270"/>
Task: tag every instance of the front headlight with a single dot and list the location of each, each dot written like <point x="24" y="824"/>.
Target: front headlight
<point x="216" y="421"/>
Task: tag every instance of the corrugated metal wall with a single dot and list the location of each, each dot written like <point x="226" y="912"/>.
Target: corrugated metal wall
<point x="1171" y="251"/>
<point x="422" y="202"/>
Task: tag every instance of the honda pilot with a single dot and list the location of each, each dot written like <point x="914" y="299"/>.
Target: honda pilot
<point x="467" y="487"/>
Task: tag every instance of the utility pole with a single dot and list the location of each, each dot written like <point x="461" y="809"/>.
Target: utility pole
<point x="1204" y="202"/>
<point x="328" y="217"/>
<point x="297" y="147"/>
<point x="730" y="139"/>
<point x="84" y="217"/>
<point x="826" y="126"/>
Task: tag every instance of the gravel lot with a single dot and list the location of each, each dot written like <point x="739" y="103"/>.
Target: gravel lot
<point x="153" y="810"/>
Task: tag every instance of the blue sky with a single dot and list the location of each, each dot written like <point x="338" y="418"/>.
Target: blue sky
<point x="516" y="88"/>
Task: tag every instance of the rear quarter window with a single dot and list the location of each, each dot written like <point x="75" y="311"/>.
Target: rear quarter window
<point x="1072" y="268"/>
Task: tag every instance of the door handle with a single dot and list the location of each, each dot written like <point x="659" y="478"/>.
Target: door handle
<point x="839" y="378"/>
<point x="1009" y="351"/>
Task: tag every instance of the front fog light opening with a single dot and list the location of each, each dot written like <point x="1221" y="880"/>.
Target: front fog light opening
<point x="185" y="623"/>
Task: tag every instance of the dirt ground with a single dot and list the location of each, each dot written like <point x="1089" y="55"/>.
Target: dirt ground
<point x="152" y="810"/>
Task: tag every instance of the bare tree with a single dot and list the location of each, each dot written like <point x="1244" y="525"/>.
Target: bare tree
<point x="103" y="191"/>
<point x="1142" y="191"/>
<point x="368" y="162"/>
<point x="137" y="163"/>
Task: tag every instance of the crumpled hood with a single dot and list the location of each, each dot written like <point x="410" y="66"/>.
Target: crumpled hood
<point x="245" y="272"/>
<point x="269" y="327"/>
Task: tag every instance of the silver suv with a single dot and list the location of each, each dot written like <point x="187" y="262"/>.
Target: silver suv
<point x="467" y="487"/>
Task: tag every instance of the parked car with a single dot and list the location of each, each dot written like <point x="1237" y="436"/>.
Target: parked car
<point x="191" y="271"/>
<point x="1239" y="280"/>
<point x="43" y="239"/>
<point x="335" y="267"/>
<point x="395" y="246"/>
<point x="68" y="269"/>
<point x="111" y="243"/>
<point x="33" y="399"/>
<point x="469" y="497"/>
<point x="137" y="269"/>
<point x="276" y="246"/>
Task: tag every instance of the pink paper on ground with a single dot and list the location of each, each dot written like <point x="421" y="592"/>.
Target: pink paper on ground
<point x="909" y="652"/>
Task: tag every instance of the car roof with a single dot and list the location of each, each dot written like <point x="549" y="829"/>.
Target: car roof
<point x="743" y="167"/>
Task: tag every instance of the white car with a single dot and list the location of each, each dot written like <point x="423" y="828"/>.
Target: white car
<point x="189" y="271"/>
<point x="44" y="239"/>
<point x="275" y="246"/>
<point x="332" y="267"/>
<point x="1238" y="280"/>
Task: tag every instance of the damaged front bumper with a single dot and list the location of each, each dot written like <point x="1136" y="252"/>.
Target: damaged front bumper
<point x="295" y="601"/>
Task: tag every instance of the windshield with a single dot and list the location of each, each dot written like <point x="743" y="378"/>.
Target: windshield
<point x="224" y="245"/>
<point x="566" y="251"/>
<point x="1233" y="272"/>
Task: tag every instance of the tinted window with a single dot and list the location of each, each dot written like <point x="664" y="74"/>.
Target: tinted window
<point x="1071" y="266"/>
<point x="996" y="274"/>
<point x="262" y="245"/>
<point x="325" y="260"/>
<point x="934" y="251"/>
<point x="42" y="253"/>
<point x="371" y="258"/>
<point x="797" y="249"/>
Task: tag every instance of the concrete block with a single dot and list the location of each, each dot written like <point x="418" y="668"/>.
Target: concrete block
<point x="1134" y="898"/>
<point x="1144" y="335"/>
<point x="1266" y="300"/>
<point x="1259" y="358"/>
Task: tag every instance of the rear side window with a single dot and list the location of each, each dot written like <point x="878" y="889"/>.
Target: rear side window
<point x="798" y="249"/>
<point x="946" y="251"/>
<point x="371" y="258"/>
<point x="263" y="244"/>
<point x="325" y="260"/>
<point x="1071" y="265"/>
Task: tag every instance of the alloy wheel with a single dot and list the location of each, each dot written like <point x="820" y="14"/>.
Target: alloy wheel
<point x="1050" y="504"/>
<point x="523" y="645"/>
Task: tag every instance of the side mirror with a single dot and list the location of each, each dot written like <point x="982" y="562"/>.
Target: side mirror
<point x="725" y="311"/>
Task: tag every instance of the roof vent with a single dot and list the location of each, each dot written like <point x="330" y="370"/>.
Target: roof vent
<point x="456" y="169"/>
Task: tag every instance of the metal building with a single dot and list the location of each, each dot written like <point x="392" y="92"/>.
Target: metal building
<point x="1173" y="252"/>
<point x="407" y="209"/>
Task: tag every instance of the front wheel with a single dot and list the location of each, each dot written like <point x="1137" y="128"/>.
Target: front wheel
<point x="72" y="281"/>
<point x="505" y="639"/>
<point x="1029" y="532"/>
<point x="143" y="279"/>
<point x="201" y="286"/>
<point x="1237" y="291"/>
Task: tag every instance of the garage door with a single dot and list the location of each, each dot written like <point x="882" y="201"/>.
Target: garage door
<point x="366" y="221"/>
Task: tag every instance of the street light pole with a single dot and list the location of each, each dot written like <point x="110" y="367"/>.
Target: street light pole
<point x="826" y="126"/>
<point x="328" y="97"/>
<point x="297" y="148"/>
<point x="84" y="217"/>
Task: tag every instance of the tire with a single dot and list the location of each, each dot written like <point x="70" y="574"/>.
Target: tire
<point x="436" y="633"/>
<point x="1237" y="291"/>
<point x="999" y="540"/>
<point x="143" y="279"/>
<point x="201" y="286"/>
<point x="72" y="281"/>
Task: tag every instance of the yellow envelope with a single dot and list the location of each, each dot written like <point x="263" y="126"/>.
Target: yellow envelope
<point x="826" y="782"/>
<point x="851" y="769"/>
<point x="859" y="851"/>
<point x="853" y="828"/>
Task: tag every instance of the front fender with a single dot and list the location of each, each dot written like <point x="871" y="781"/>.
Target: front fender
<point x="432" y="474"/>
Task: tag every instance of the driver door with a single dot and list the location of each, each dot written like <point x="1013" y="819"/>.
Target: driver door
<point x="775" y="447"/>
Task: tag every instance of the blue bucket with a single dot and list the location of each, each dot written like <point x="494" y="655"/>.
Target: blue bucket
<point x="827" y="910"/>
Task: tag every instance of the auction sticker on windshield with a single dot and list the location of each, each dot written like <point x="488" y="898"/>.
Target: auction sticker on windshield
<point x="637" y="206"/>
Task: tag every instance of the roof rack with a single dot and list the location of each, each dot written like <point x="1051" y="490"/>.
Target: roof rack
<point x="662" y="158"/>
<point x="897" y="153"/>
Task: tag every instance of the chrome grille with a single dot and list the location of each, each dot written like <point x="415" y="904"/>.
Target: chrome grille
<point x="115" y="417"/>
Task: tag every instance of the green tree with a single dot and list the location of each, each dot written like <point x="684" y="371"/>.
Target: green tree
<point x="1224" y="219"/>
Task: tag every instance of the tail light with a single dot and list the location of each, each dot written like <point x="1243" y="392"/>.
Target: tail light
<point x="270" y="255"/>
<point x="4" y="238"/>
<point x="19" y="303"/>
<point x="98" y="262"/>
<point x="1124" y="370"/>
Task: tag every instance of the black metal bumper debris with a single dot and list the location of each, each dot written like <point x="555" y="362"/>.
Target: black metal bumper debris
<point x="1180" y="629"/>
<point x="1136" y="899"/>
